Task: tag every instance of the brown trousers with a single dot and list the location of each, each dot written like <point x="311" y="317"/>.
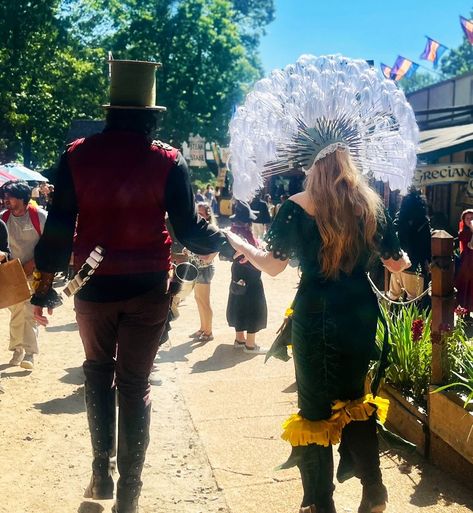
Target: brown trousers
<point x="125" y="333"/>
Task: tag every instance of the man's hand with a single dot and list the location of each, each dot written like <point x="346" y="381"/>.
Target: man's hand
<point x="3" y="256"/>
<point x="28" y="267"/>
<point x="38" y="316"/>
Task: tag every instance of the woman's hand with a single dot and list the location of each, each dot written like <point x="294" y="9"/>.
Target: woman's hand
<point x="396" y="266"/>
<point x="238" y="245"/>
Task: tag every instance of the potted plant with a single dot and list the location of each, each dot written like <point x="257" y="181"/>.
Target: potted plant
<point x="451" y="405"/>
<point x="408" y="375"/>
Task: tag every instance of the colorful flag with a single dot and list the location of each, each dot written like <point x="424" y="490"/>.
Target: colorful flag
<point x="433" y="51"/>
<point x="386" y="70"/>
<point x="467" y="27"/>
<point x="403" y="68"/>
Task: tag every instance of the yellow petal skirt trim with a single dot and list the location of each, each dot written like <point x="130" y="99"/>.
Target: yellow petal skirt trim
<point x="300" y="431"/>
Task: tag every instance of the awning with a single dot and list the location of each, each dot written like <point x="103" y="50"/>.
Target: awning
<point x="23" y="173"/>
<point x="5" y="176"/>
<point x="438" y="142"/>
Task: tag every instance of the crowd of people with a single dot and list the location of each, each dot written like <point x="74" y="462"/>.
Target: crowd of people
<point x="334" y="228"/>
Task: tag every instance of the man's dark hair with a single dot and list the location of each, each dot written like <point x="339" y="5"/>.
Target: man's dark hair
<point x="133" y="120"/>
<point x="18" y="189"/>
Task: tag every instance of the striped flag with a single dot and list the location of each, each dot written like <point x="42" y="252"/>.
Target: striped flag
<point x="467" y="27"/>
<point x="433" y="51"/>
<point x="403" y="68"/>
<point x="386" y="70"/>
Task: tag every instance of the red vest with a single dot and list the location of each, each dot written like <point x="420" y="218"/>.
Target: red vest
<point x="119" y="179"/>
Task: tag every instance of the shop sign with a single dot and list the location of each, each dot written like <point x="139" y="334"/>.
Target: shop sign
<point x="443" y="174"/>
<point x="197" y="151"/>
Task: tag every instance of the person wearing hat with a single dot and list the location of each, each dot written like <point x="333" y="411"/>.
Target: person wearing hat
<point x="122" y="309"/>
<point x="246" y="309"/>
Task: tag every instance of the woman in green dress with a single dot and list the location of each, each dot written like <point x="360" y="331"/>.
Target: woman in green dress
<point x="334" y="228"/>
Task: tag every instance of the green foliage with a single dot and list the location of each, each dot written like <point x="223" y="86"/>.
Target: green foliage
<point x="417" y="81"/>
<point x="459" y="60"/>
<point x="52" y="64"/>
<point x="410" y="356"/>
<point x="45" y="80"/>
<point x="459" y="358"/>
<point x="201" y="176"/>
<point x="206" y="68"/>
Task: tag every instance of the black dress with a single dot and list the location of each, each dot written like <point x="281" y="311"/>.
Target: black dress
<point x="333" y="328"/>
<point x="247" y="311"/>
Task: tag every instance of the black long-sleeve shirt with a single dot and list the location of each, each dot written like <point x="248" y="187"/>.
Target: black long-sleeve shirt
<point x="4" y="239"/>
<point x="53" y="250"/>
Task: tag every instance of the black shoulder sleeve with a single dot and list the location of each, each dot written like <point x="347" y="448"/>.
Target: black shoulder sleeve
<point x="53" y="251"/>
<point x="4" y="239"/>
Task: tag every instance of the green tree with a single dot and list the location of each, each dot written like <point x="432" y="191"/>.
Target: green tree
<point x="459" y="60"/>
<point x="45" y="80"/>
<point x="417" y="81"/>
<point x="206" y="68"/>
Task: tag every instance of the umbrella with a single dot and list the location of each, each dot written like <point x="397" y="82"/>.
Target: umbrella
<point x="23" y="173"/>
<point x="5" y="176"/>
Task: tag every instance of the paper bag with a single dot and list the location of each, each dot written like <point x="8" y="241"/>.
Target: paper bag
<point x="13" y="284"/>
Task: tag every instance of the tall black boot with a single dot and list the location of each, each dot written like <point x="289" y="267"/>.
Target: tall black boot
<point x="359" y="444"/>
<point x="101" y="416"/>
<point x="133" y="440"/>
<point x="316" y="468"/>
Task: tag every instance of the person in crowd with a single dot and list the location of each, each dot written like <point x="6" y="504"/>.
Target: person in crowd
<point x="333" y="228"/>
<point x="464" y="275"/>
<point x="246" y="308"/>
<point x="199" y="197"/>
<point x="414" y="233"/>
<point x="282" y="199"/>
<point x="123" y="308"/>
<point x="4" y="256"/>
<point x="263" y="219"/>
<point x="269" y="202"/>
<point x="209" y="195"/>
<point x="25" y="225"/>
<point x="202" y="284"/>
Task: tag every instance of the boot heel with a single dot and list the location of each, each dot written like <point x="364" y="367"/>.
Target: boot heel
<point x="100" y="488"/>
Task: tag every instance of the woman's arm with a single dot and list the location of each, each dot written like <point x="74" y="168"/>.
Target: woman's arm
<point x="262" y="260"/>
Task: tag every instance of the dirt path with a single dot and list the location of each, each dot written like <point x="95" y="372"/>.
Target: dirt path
<point x="215" y="427"/>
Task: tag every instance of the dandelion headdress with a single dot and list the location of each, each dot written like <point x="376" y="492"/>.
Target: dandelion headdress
<point x="300" y="114"/>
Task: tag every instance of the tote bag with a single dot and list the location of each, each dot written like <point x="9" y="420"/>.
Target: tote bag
<point x="13" y="284"/>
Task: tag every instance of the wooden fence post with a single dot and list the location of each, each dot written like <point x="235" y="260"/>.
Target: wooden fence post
<point x="443" y="300"/>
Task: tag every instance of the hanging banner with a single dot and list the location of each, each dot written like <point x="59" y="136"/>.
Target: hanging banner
<point x="443" y="173"/>
<point x="197" y="151"/>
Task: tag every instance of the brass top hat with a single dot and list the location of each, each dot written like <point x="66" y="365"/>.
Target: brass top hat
<point x="133" y="85"/>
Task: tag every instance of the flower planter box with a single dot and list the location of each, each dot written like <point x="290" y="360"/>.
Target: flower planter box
<point x="451" y="422"/>
<point x="405" y="419"/>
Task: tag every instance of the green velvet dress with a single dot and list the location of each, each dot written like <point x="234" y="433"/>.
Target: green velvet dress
<point x="334" y="321"/>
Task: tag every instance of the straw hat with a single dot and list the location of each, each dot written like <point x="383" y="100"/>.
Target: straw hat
<point x="133" y="85"/>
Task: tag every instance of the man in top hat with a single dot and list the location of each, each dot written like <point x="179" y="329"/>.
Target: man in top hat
<point x="123" y="307"/>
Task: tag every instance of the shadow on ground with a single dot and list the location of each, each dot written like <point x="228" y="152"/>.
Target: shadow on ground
<point x="71" y="404"/>
<point x="74" y="376"/>
<point x="71" y="326"/>
<point x="435" y="485"/>
<point x="225" y="356"/>
<point x="179" y="352"/>
<point x="90" y="507"/>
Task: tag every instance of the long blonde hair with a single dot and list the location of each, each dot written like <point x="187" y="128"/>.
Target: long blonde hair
<point x="346" y="211"/>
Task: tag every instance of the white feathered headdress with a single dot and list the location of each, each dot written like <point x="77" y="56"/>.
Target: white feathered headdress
<point x="300" y="114"/>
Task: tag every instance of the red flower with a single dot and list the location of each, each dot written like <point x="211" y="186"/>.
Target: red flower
<point x="417" y="329"/>
<point x="460" y="311"/>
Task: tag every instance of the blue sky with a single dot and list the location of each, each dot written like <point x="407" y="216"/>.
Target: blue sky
<point x="368" y="29"/>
